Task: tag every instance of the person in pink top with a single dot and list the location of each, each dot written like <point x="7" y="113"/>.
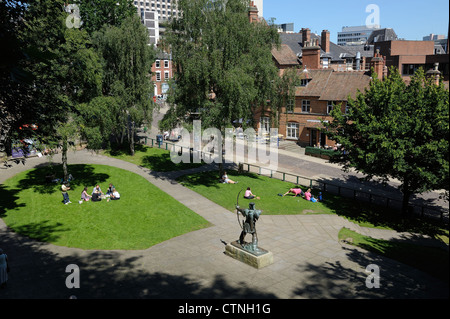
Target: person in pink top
<point x="308" y="194"/>
<point x="297" y="191"/>
<point x="249" y="195"/>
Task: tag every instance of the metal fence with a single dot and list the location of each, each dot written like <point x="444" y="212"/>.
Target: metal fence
<point x="418" y="210"/>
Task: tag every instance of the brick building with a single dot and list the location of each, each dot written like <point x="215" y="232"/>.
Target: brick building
<point x="162" y="72"/>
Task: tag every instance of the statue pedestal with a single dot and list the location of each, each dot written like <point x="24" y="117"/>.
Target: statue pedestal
<point x="258" y="259"/>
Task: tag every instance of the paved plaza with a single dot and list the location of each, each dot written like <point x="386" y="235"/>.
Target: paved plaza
<point x="309" y="261"/>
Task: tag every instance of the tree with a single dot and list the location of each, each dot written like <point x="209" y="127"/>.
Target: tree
<point x="95" y="14"/>
<point x="224" y="66"/>
<point x="395" y="130"/>
<point x="127" y="58"/>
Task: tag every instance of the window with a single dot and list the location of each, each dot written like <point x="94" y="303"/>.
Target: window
<point x="290" y="106"/>
<point x="166" y="64"/>
<point x="265" y="123"/>
<point x="306" y="106"/>
<point x="157" y="64"/>
<point x="166" y="75"/>
<point x="158" y="76"/>
<point x="292" y="130"/>
<point x="325" y="63"/>
<point x="346" y="108"/>
<point x="410" y="69"/>
<point x="329" y="107"/>
<point x="304" y="82"/>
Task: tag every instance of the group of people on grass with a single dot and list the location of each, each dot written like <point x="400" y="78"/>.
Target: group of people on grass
<point x="296" y="191"/>
<point x="95" y="196"/>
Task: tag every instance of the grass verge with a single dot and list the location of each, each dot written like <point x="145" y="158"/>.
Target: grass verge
<point x="431" y="260"/>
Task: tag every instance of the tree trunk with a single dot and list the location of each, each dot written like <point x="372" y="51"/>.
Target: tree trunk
<point x="132" y="139"/>
<point x="64" y="159"/>
<point x="405" y="202"/>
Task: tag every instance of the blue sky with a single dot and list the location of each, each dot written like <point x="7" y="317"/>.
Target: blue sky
<point x="411" y="20"/>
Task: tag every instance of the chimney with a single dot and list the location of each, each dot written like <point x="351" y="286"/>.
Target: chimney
<point x="253" y="13"/>
<point x="434" y="73"/>
<point x="325" y="41"/>
<point x="311" y="55"/>
<point x="378" y="64"/>
<point x="306" y="35"/>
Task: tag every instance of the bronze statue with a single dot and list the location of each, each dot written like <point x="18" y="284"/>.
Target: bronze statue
<point x="251" y="215"/>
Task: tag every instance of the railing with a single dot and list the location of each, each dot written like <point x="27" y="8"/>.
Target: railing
<point x="357" y="194"/>
<point x="324" y="186"/>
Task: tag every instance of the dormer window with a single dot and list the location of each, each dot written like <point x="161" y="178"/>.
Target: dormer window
<point x="304" y="82"/>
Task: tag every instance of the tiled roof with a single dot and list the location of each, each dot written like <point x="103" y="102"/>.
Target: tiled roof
<point x="385" y="34"/>
<point x="284" y="55"/>
<point x="294" y="41"/>
<point x="329" y="85"/>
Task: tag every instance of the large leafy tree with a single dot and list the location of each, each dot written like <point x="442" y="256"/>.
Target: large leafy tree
<point x="95" y="14"/>
<point x="126" y="59"/>
<point x="395" y="130"/>
<point x="224" y="67"/>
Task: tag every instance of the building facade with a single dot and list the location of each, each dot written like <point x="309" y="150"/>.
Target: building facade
<point x="355" y="35"/>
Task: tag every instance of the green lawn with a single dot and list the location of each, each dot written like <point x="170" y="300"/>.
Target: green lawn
<point x="360" y="212"/>
<point x="144" y="216"/>
<point x="154" y="158"/>
<point x="266" y="188"/>
<point x="432" y="260"/>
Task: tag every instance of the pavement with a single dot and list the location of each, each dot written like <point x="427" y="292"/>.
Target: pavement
<point x="309" y="260"/>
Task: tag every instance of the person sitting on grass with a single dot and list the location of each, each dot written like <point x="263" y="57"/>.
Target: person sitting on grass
<point x="226" y="180"/>
<point x="110" y="189"/>
<point x="96" y="194"/>
<point x="308" y="194"/>
<point x="297" y="191"/>
<point x="249" y="195"/>
<point x="114" y="195"/>
<point x="85" y="197"/>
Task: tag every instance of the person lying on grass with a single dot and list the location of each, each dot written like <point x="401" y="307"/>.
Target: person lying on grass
<point x="226" y="180"/>
<point x="297" y="191"/>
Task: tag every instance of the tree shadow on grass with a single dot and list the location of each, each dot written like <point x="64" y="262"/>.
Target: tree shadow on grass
<point x="211" y="178"/>
<point x="40" y="178"/>
<point x="8" y="198"/>
<point x="337" y="280"/>
<point x="163" y="163"/>
<point x="44" y="231"/>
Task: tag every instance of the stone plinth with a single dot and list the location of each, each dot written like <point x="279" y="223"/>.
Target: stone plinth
<point x="258" y="260"/>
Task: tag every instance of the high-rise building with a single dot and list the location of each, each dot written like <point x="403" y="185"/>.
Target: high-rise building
<point x="355" y="35"/>
<point x="166" y="9"/>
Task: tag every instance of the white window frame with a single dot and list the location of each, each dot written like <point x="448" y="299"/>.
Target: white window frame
<point x="166" y="75"/>
<point x="292" y="130"/>
<point x="158" y="76"/>
<point x="329" y="106"/>
<point x="158" y="64"/>
<point x="166" y="64"/>
<point x="306" y="106"/>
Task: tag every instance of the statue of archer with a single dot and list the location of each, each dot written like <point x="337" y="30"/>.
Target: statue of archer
<point x="251" y="215"/>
